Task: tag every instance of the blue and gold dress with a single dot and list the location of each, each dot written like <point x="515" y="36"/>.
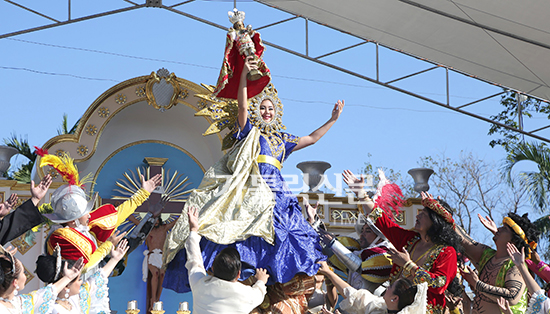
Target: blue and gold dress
<point x="275" y="235"/>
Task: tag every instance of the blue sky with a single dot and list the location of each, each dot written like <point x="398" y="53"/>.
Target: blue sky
<point x="47" y="73"/>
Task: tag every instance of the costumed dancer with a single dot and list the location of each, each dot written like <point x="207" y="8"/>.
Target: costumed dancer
<point x="401" y="297"/>
<point x="244" y="201"/>
<point x="82" y="233"/>
<point x="427" y="253"/>
<point x="498" y="276"/>
<point x="13" y="279"/>
<point x="78" y="297"/>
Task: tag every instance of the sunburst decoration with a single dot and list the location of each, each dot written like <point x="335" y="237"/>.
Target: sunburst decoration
<point x="173" y="186"/>
<point x="224" y="113"/>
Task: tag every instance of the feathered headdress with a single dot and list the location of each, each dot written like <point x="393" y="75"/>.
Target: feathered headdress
<point x="388" y="195"/>
<point x="64" y="165"/>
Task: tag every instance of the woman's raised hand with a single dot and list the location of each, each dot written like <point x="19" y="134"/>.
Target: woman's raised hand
<point x="338" y="108"/>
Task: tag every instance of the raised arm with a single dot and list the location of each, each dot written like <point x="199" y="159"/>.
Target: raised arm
<point x="116" y="255"/>
<point x="68" y="275"/>
<point x="311" y="139"/>
<point x="472" y="248"/>
<point x="338" y="282"/>
<point x="514" y="285"/>
<point x="242" y="94"/>
<point x="357" y="186"/>
<point x="519" y="260"/>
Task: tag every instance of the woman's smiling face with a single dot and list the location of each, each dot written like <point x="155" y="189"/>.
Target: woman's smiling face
<point x="267" y="110"/>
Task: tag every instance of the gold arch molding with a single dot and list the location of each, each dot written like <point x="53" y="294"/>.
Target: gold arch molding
<point x="98" y="171"/>
<point x="83" y="143"/>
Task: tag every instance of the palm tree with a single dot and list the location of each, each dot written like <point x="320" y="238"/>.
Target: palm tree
<point x="23" y="173"/>
<point x="537" y="182"/>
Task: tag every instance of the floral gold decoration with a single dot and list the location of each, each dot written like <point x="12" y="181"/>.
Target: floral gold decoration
<point x="140" y="91"/>
<point x="53" y="173"/>
<point x="22" y="245"/>
<point x="103" y="112"/>
<point x="82" y="150"/>
<point x="120" y="99"/>
<point x="184" y="93"/>
<point x="59" y="153"/>
<point x="91" y="129"/>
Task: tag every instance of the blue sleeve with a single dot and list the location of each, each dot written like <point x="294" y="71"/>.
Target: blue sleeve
<point x="240" y="134"/>
<point x="290" y="142"/>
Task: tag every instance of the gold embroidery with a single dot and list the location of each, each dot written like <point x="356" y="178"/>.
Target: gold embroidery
<point x="422" y="275"/>
<point x="276" y="144"/>
<point x="290" y="139"/>
<point x="434" y="309"/>
<point x="79" y="241"/>
<point x="375" y="214"/>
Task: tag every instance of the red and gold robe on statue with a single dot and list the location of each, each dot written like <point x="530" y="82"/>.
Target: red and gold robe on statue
<point x="103" y="222"/>
<point x="233" y="62"/>
<point x="438" y="270"/>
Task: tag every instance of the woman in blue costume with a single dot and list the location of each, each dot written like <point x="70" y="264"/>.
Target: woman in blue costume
<point x="252" y="208"/>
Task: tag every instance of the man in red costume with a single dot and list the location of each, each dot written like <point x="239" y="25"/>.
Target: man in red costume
<point x="83" y="232"/>
<point x="426" y="254"/>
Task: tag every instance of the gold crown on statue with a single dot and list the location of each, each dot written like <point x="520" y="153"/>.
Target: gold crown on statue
<point x="236" y="16"/>
<point x="223" y="113"/>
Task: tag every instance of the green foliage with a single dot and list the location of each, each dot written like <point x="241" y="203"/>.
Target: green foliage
<point x="22" y="146"/>
<point x="64" y="129"/>
<point x="509" y="116"/>
<point x="537" y="183"/>
<point x="23" y="173"/>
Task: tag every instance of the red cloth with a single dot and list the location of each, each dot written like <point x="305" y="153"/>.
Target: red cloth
<point x="73" y="244"/>
<point x="443" y="265"/>
<point x="230" y="73"/>
<point x="103" y="222"/>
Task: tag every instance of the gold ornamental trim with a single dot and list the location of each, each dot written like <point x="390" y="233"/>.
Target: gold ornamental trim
<point x="155" y="79"/>
<point x="107" y="100"/>
<point x="154" y="161"/>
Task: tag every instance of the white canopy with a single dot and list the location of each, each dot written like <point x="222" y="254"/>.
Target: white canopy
<point x="500" y="41"/>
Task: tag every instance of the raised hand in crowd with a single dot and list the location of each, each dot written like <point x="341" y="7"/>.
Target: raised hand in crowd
<point x="488" y="223"/>
<point x="39" y="191"/>
<point x="193" y="215"/>
<point x="355" y="184"/>
<point x="504" y="306"/>
<point x="116" y="237"/>
<point x="261" y="274"/>
<point x="8" y="205"/>
<point x="152" y="183"/>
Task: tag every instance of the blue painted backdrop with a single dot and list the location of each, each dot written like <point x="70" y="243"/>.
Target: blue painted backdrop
<point x="129" y="286"/>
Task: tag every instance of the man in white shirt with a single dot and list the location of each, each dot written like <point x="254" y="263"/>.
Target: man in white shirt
<point x="221" y="293"/>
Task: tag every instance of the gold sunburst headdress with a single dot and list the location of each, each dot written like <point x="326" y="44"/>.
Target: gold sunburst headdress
<point x="224" y="113"/>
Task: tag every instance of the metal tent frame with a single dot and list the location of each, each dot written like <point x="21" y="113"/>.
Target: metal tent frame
<point x="462" y="108"/>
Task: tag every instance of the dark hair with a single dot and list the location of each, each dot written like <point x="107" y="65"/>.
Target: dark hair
<point x="7" y="273"/>
<point x="404" y="289"/>
<point x="531" y="233"/>
<point x="455" y="287"/>
<point x="46" y="270"/>
<point x="442" y="232"/>
<point x="227" y="264"/>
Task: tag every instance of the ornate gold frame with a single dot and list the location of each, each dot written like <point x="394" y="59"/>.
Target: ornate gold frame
<point x="154" y="78"/>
